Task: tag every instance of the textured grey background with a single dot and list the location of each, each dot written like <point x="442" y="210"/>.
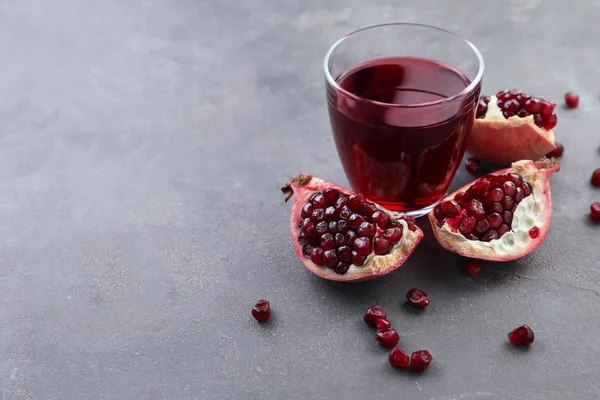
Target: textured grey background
<point x="142" y="147"/>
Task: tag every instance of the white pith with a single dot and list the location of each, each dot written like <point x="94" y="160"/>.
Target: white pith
<point x="494" y="113"/>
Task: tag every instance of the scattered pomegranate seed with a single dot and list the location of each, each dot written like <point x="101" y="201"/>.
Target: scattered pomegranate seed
<point x="382" y="324"/>
<point x="472" y="268"/>
<point x="373" y="313"/>
<point x="420" y="360"/>
<point x="521" y="336"/>
<point x="534" y="232"/>
<point x="417" y="298"/>
<point x="596" y="177"/>
<point x="261" y="311"/>
<point x="595" y="211"/>
<point x="572" y="100"/>
<point x="388" y="337"/>
<point x="398" y="358"/>
<point x="557" y="152"/>
<point x="473" y="165"/>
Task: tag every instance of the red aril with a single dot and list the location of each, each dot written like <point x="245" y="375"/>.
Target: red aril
<point x="341" y="236"/>
<point x="398" y="358"/>
<point x="261" y="310"/>
<point x="387" y="337"/>
<point x="473" y="165"/>
<point x="571" y="100"/>
<point x="504" y="230"/>
<point x="417" y="298"/>
<point x="420" y="360"/>
<point x="512" y="126"/>
<point x="595" y="211"/>
<point x="374" y="313"/>
<point x="557" y="152"/>
<point x="382" y="324"/>
<point x="472" y="268"/>
<point x="596" y="177"/>
<point x="521" y="336"/>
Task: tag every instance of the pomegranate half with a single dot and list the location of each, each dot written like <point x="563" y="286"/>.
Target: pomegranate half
<point x="499" y="217"/>
<point x="512" y="126"/>
<point x="340" y="236"/>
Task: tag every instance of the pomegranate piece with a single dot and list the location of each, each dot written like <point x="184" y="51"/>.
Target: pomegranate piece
<point x="473" y="165"/>
<point x="571" y="100"/>
<point x="383" y="324"/>
<point x="374" y="313"/>
<point x="417" y="298"/>
<point x="557" y="152"/>
<point x="596" y="177"/>
<point x="261" y="310"/>
<point x="595" y="211"/>
<point x="472" y="268"/>
<point x="398" y="358"/>
<point x="506" y="229"/>
<point x="521" y="336"/>
<point x="420" y="360"/>
<point x="388" y="337"/>
<point x="341" y="236"/>
<point x="512" y="126"/>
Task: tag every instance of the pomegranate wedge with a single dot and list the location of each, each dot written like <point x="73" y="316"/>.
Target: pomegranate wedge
<point x="499" y="217"/>
<point x="512" y="126"/>
<point x="341" y="236"/>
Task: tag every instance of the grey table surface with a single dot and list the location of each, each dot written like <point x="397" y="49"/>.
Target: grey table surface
<point x="142" y="147"/>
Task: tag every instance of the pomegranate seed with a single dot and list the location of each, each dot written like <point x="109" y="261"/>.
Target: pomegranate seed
<point x="481" y="186"/>
<point x="437" y="212"/>
<point x="507" y="217"/>
<point x="302" y="240"/>
<point x="521" y="336"/>
<point x="475" y="208"/>
<point x="596" y="177"/>
<point x="345" y="213"/>
<point x="450" y="208"/>
<point x="327" y="241"/>
<point x="363" y="246"/>
<point x="534" y="232"/>
<point x="333" y="227"/>
<point x="515" y="178"/>
<point x="342" y="226"/>
<point x="532" y="105"/>
<point x="509" y="188"/>
<point x="318" y="215"/>
<point x="331" y="213"/>
<point x="481" y="227"/>
<point x="340" y="239"/>
<point x="503" y="229"/>
<point x="508" y="114"/>
<point x="486" y="99"/>
<point x="261" y="310"/>
<point x="572" y="100"/>
<point x="546" y="109"/>
<point x="495" y="220"/>
<point x="417" y="298"/>
<point x="307" y="210"/>
<point x="345" y="254"/>
<point x="472" y="268"/>
<point x="342" y="268"/>
<point x="420" y="360"/>
<point x="490" y="235"/>
<point x="355" y="220"/>
<point x="398" y="358"/>
<point x="373" y="313"/>
<point x="318" y="200"/>
<point x="538" y="120"/>
<point x="382" y="324"/>
<point x="316" y="256"/>
<point x="388" y="337"/>
<point x="526" y="189"/>
<point x="473" y="165"/>
<point x="523" y="114"/>
<point x="381" y="246"/>
<point x="460" y="197"/>
<point x="507" y="203"/>
<point x="358" y="260"/>
<point x="366" y="229"/>
<point x="557" y="152"/>
<point x="493" y="196"/>
<point x="306" y="250"/>
<point x="331" y="195"/>
<point x="393" y="235"/>
<point x="518" y="196"/>
<point x="330" y="259"/>
<point x="380" y="218"/>
<point x="550" y="122"/>
<point x="308" y="228"/>
<point x="595" y="211"/>
<point x="322" y="228"/>
<point x="411" y="223"/>
<point x="341" y="202"/>
<point x="494" y="208"/>
<point x="467" y="223"/>
<point x="511" y="105"/>
<point x="356" y="201"/>
<point x="350" y="237"/>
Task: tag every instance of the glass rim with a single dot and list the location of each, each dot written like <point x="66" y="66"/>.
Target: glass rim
<point x="476" y="81"/>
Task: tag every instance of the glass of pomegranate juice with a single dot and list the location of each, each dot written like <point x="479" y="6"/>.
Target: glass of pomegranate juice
<point x="402" y="99"/>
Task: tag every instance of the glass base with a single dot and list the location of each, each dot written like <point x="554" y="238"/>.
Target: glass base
<point x="422" y="211"/>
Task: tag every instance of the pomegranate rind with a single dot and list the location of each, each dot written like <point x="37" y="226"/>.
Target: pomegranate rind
<point x="302" y="187"/>
<point x="512" y="245"/>
<point x="503" y="141"/>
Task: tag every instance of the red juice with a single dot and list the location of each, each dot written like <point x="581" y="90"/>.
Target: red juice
<point x="400" y="128"/>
